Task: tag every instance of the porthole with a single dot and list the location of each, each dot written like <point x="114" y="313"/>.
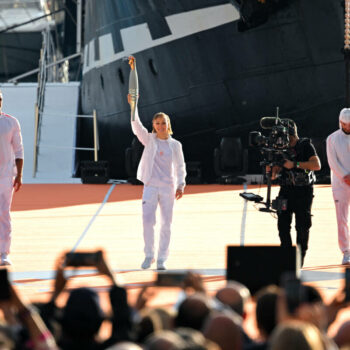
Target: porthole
<point x="121" y="76"/>
<point x="153" y="67"/>
<point x="102" y="82"/>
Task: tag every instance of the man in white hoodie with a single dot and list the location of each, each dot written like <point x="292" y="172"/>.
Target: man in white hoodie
<point x="11" y="165"/>
<point x="338" y="153"/>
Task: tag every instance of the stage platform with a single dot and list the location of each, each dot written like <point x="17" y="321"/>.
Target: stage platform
<point x="51" y="218"/>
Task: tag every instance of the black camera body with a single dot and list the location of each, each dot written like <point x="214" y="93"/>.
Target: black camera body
<point x="274" y="146"/>
<point x="278" y="139"/>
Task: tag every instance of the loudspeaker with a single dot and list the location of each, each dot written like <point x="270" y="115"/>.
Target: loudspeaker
<point x="94" y="172"/>
<point x="194" y="173"/>
<point x="259" y="266"/>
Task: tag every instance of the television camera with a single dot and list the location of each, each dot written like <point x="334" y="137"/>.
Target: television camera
<point x="274" y="149"/>
<point x="274" y="146"/>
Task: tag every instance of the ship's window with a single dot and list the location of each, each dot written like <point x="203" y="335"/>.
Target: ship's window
<point x="102" y="82"/>
<point x="153" y="66"/>
<point x="121" y="76"/>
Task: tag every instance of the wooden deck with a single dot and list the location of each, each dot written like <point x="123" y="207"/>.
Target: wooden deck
<point x="49" y="219"/>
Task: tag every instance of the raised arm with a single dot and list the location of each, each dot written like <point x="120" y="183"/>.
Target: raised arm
<point x="137" y="127"/>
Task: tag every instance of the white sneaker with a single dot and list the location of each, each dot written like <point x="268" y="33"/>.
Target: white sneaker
<point x="161" y="265"/>
<point x="5" y="260"/>
<point x="346" y="258"/>
<point x="147" y="263"/>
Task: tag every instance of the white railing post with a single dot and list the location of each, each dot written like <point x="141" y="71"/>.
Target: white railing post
<point x="96" y="146"/>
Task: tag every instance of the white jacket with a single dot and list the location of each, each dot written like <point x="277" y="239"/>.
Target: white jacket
<point x="144" y="171"/>
<point x="338" y="151"/>
<point x="11" y="147"/>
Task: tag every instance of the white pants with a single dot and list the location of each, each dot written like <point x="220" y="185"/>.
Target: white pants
<point x="165" y="196"/>
<point x="6" y="191"/>
<point x="341" y="195"/>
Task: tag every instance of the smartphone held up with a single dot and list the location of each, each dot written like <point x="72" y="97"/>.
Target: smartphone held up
<point x="5" y="292"/>
<point x="170" y="279"/>
<point x="77" y="259"/>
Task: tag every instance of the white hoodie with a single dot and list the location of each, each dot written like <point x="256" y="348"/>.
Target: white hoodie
<point x="338" y="152"/>
<point x="145" y="167"/>
<point x="11" y="146"/>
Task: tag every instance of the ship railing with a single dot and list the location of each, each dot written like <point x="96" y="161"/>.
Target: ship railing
<point x="47" y="71"/>
<point x="63" y="60"/>
<point x="40" y="96"/>
<point x="95" y="149"/>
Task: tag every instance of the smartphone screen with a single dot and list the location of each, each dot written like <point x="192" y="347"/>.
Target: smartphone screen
<point x="170" y="279"/>
<point x="83" y="258"/>
<point x="294" y="291"/>
<point x="347" y="284"/>
<point x="4" y="285"/>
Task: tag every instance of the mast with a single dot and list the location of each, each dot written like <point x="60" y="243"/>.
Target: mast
<point x="79" y="12"/>
<point x="347" y="52"/>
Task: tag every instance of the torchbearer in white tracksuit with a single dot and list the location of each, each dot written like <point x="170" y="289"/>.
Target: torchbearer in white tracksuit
<point x="11" y="165"/>
<point x="162" y="171"/>
<point x="338" y="153"/>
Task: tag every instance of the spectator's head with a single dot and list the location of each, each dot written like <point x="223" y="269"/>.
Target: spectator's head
<point x="165" y="340"/>
<point x="311" y="294"/>
<point x="222" y="330"/>
<point x="342" y="338"/>
<point x="125" y="345"/>
<point x="153" y="320"/>
<point x="195" y="340"/>
<point x="312" y="309"/>
<point x="234" y="295"/>
<point x="82" y="316"/>
<point x="266" y="310"/>
<point x="193" y="311"/>
<point x="7" y="338"/>
<point x="295" y="334"/>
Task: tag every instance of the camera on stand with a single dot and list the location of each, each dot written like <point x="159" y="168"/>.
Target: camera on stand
<point x="273" y="148"/>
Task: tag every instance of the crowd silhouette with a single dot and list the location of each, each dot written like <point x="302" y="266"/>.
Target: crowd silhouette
<point x="200" y="319"/>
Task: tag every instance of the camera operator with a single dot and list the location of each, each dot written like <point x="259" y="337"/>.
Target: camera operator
<point x="296" y="191"/>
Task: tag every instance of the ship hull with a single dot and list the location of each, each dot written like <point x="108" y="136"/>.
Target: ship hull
<point x="219" y="81"/>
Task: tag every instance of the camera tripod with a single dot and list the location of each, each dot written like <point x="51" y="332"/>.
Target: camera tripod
<point x="267" y="208"/>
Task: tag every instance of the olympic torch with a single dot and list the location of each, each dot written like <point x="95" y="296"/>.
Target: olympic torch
<point x="133" y="86"/>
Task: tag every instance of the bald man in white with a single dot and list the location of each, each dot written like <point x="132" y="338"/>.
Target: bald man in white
<point x="11" y="165"/>
<point x="338" y="153"/>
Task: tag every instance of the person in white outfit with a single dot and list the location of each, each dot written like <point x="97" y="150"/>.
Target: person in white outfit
<point x="162" y="171"/>
<point x="11" y="165"/>
<point x="338" y="154"/>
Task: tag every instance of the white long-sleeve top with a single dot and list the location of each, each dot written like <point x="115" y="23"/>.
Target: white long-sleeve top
<point x="338" y="154"/>
<point x="144" y="171"/>
<point x="11" y="147"/>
